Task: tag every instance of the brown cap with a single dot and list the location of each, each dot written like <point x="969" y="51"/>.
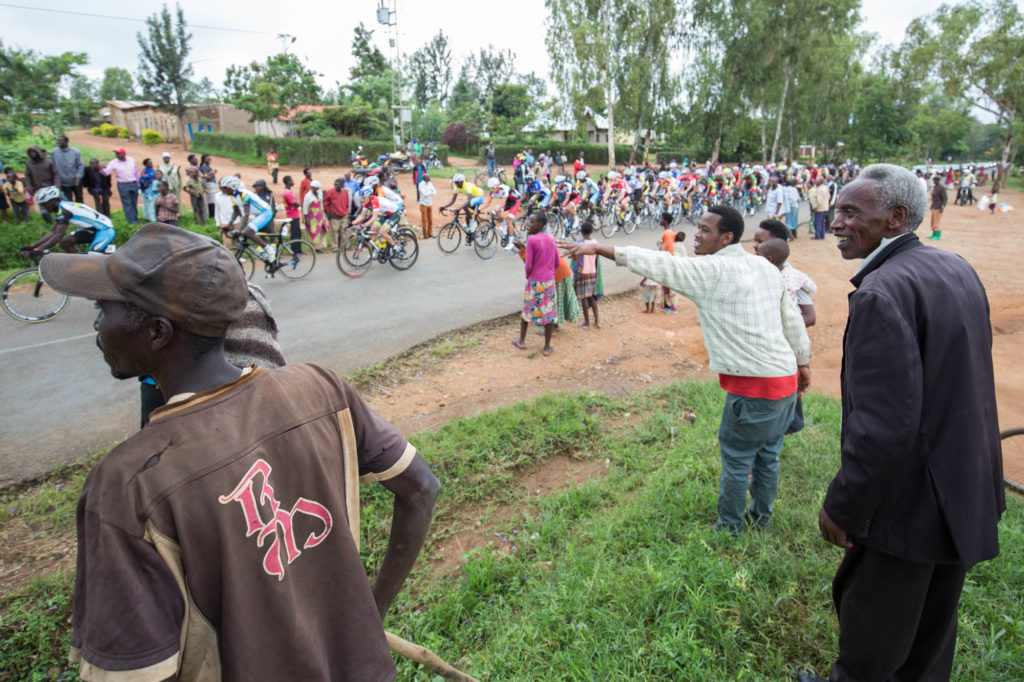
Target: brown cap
<point x="166" y="271"/>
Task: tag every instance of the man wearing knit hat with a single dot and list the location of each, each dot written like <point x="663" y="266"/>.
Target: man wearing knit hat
<point x="221" y="540"/>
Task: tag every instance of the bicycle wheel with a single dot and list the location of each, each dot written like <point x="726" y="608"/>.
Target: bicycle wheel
<point x="407" y="249"/>
<point x="449" y="237"/>
<point x="296" y="258"/>
<point x="486" y="242"/>
<point x="629" y="222"/>
<point x="355" y="257"/>
<point x="27" y="298"/>
<point x="485" y="234"/>
<point x="608" y="226"/>
<point x="247" y="260"/>
<point x="519" y="231"/>
<point x="1013" y="459"/>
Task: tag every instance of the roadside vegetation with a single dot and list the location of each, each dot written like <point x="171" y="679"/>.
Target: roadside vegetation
<point x="613" y="572"/>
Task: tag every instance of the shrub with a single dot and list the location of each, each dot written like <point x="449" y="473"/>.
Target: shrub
<point x="297" y="151"/>
<point x="458" y="136"/>
<point x="107" y="130"/>
<point x="150" y="136"/>
<point x="96" y="131"/>
<point x="123" y="133"/>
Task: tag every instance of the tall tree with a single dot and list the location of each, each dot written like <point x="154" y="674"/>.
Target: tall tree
<point x="369" y="59"/>
<point x="273" y="88"/>
<point x="164" y="67"/>
<point x="974" y="50"/>
<point x="117" y="84"/>
<point x="431" y="71"/>
<point x="585" y="44"/>
<point x="646" y="82"/>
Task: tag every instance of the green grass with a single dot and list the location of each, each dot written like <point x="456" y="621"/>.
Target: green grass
<point x="619" y="578"/>
<point x="1015" y="182"/>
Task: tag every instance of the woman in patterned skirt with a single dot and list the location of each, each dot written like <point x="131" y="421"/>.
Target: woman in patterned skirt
<point x="539" y="304"/>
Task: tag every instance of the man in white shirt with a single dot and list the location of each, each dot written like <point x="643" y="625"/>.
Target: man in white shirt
<point x="756" y="341"/>
<point x="776" y="203"/>
<point x="426" y="193"/>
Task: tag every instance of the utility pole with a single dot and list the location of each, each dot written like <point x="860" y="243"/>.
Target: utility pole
<point x="387" y="15"/>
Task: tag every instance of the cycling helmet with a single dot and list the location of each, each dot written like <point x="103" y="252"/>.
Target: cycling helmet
<point x="231" y="182"/>
<point x="559" y="179"/>
<point x="44" y="195"/>
<point x="492" y="183"/>
<point x="663" y="175"/>
<point x="458" y="178"/>
<point x="673" y="165"/>
<point x="613" y="175"/>
<point x="581" y="175"/>
<point x="371" y="181"/>
<point x="365" y="191"/>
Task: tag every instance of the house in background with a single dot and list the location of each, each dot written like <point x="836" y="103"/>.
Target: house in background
<point x="564" y="129"/>
<point x="139" y="115"/>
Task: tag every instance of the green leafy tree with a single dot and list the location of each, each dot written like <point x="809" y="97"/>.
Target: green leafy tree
<point x="881" y="117"/>
<point x="585" y="48"/>
<point x="356" y="118"/>
<point x="117" y="84"/>
<point x="272" y="88"/>
<point x="31" y="82"/>
<point x="369" y="59"/>
<point x="203" y="92"/>
<point x="164" y="67"/>
<point x="974" y="50"/>
<point x="430" y="69"/>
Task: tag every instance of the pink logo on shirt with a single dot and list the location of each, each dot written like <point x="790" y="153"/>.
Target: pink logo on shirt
<point x="250" y="495"/>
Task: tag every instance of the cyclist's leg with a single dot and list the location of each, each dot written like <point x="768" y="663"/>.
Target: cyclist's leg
<point x="255" y="225"/>
<point x="102" y="239"/>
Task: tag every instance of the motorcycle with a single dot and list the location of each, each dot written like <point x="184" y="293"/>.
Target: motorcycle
<point x="432" y="160"/>
<point x="398" y="161"/>
<point x="356" y="158"/>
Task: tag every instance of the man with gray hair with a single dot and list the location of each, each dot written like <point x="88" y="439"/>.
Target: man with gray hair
<point x="918" y="494"/>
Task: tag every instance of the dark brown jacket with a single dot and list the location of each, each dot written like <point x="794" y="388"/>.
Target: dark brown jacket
<point x="921" y="471"/>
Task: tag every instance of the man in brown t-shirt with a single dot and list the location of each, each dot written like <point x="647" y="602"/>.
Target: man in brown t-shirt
<point x="221" y="540"/>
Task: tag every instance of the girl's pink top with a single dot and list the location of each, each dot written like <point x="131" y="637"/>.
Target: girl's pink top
<point x="541" y="257"/>
<point x="588" y="264"/>
<point x="291" y="206"/>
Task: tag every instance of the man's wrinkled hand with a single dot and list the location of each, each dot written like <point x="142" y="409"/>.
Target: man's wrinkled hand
<point x="831" y="532"/>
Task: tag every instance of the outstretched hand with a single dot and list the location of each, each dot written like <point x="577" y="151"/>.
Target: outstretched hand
<point x="573" y="249"/>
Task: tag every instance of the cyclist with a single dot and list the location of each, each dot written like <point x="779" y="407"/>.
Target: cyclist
<point x="618" y="189"/>
<point x="253" y="213"/>
<point x="509" y="200"/>
<point x="93" y="228"/>
<point x="540" y="194"/>
<point x="380" y="211"/>
<point x="474" y="199"/>
<point x="589" y="190"/>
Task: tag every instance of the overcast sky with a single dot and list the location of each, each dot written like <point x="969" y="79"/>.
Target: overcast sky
<point x="323" y="31"/>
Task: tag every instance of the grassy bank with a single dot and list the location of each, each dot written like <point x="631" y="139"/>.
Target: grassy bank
<point x="619" y="577"/>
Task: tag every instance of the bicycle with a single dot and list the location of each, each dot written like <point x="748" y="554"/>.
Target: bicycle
<point x="27" y="298"/>
<point x="449" y="237"/>
<point x="294" y="259"/>
<point x="1012" y="441"/>
<point x="365" y="245"/>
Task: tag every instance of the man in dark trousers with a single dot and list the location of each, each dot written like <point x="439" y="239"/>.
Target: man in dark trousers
<point x="919" y="492"/>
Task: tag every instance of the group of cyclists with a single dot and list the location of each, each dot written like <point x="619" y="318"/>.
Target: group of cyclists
<point x="673" y="187"/>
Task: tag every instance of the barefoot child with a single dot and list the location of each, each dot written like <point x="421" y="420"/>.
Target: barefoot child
<point x="668" y="243"/>
<point x="586" y="282"/>
<point x="649" y="294"/>
<point x="539" y="306"/>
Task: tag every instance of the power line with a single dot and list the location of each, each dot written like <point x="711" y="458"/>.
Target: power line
<point x="132" y="19"/>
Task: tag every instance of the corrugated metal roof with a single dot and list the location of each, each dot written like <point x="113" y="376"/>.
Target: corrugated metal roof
<point x="130" y="104"/>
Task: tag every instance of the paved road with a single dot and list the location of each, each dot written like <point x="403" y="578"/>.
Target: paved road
<point x="62" y="404"/>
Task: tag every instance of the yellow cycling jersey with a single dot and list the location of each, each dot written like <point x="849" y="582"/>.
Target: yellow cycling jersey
<point x="470" y="190"/>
